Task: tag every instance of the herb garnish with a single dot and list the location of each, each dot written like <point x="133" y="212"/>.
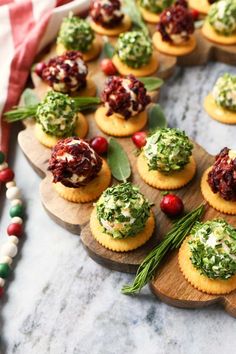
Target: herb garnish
<point x="156" y="117"/>
<point x="171" y="241"/>
<point x="131" y="8"/>
<point x="118" y="161"/>
<point x="151" y="83"/>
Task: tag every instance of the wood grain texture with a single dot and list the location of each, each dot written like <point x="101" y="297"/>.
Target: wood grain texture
<point x="169" y="284"/>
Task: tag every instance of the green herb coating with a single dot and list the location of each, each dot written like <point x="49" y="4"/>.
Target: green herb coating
<point x="224" y="92"/>
<point x="122" y="210"/>
<point x="222" y="16"/>
<point x="168" y="150"/>
<point x="75" y="34"/>
<point x="57" y="114"/>
<point x="155" y="6"/>
<point x="134" y="49"/>
<point x="213" y="248"/>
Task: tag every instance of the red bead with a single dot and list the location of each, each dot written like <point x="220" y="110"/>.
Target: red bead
<point x="1" y="292"/>
<point x="15" y="229"/>
<point x="6" y="175"/>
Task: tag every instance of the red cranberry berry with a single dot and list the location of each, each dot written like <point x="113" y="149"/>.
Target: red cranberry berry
<point x="38" y="69"/>
<point x="139" y="139"/>
<point x="172" y="205"/>
<point x="108" y="67"/>
<point x="99" y="144"/>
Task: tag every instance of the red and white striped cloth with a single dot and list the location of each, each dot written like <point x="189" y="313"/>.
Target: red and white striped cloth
<point x="22" y="25"/>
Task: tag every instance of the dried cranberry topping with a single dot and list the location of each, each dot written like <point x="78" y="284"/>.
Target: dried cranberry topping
<point x="106" y="13"/>
<point x="66" y="73"/>
<point x="126" y="96"/>
<point x="176" y="20"/>
<point x="74" y="163"/>
<point x="222" y="177"/>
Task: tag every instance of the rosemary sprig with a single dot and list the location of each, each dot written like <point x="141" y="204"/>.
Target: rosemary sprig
<point x="172" y="240"/>
<point x="23" y="112"/>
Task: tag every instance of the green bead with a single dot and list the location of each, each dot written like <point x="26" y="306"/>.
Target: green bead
<point x="2" y="157"/>
<point x="4" y="270"/>
<point x="17" y="210"/>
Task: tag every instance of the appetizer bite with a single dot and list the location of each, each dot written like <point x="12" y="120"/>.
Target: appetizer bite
<point x="151" y="9"/>
<point x="202" y="6"/>
<point x="57" y="117"/>
<point x="107" y="17"/>
<point x="80" y="175"/>
<point x="166" y="161"/>
<point x="218" y="183"/>
<point x="76" y="34"/>
<point x="68" y="73"/>
<point x="207" y="258"/>
<point x="124" y="102"/>
<point x="220" y="24"/>
<point x="221" y="103"/>
<point x="122" y="219"/>
<point x="175" y="30"/>
<point x="134" y="55"/>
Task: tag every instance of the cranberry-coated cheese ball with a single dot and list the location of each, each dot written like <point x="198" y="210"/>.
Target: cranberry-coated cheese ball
<point x="106" y="13"/>
<point x="176" y="24"/>
<point x="74" y="163"/>
<point x="125" y="96"/>
<point x="66" y="73"/>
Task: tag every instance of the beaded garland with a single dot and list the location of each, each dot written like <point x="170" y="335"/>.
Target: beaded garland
<point x="15" y="228"/>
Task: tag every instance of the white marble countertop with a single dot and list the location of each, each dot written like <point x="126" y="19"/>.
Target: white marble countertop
<point x="59" y="301"/>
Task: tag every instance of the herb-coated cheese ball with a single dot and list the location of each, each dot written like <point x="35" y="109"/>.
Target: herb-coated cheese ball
<point x="222" y="16"/>
<point x="224" y="91"/>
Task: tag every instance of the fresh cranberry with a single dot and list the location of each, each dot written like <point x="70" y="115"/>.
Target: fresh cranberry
<point x="99" y="144"/>
<point x="38" y="69"/>
<point x="139" y="139"/>
<point x="195" y="14"/>
<point x="172" y="205"/>
<point x="108" y="67"/>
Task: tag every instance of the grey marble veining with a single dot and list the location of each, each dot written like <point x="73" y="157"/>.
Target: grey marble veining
<point x="59" y="301"/>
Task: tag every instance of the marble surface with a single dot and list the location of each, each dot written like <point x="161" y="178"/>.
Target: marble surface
<point x="59" y="301"/>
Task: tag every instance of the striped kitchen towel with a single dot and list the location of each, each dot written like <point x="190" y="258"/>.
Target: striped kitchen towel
<point x="22" y="25"/>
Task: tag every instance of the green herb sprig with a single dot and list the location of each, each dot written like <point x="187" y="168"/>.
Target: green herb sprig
<point x="171" y="241"/>
<point x="131" y="8"/>
<point x="118" y="161"/>
<point x="31" y="105"/>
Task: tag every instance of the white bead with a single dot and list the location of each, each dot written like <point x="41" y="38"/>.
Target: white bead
<point x="3" y="166"/>
<point x="16" y="220"/>
<point x="10" y="184"/>
<point x="13" y="239"/>
<point x="6" y="259"/>
<point x="9" y="249"/>
<point x="2" y="282"/>
<point x="13" y="193"/>
<point x="15" y="202"/>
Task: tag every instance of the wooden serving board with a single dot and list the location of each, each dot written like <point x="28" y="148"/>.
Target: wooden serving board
<point x="169" y="284"/>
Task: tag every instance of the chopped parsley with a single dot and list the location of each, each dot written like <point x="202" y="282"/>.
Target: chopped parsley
<point x="168" y="150"/>
<point x="122" y="210"/>
<point x="213" y="248"/>
<point x="155" y="6"/>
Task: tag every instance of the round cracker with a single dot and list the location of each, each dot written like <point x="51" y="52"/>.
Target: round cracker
<point x="49" y="141"/>
<point x="202" y="6"/>
<point x="174" y="180"/>
<point x="87" y="193"/>
<point x="217" y="112"/>
<point x="209" y="32"/>
<point x="200" y="281"/>
<point x="121" y="245"/>
<point x="116" y="126"/>
<point x="149" y="16"/>
<point x="90" y="55"/>
<point x="214" y="199"/>
<point x="112" y="32"/>
<point x="173" y="49"/>
<point x="145" y="70"/>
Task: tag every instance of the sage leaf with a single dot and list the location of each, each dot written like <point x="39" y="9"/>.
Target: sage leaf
<point x="131" y="9"/>
<point x="108" y="50"/>
<point x="156" y="117"/>
<point x="118" y="161"/>
<point x="151" y="83"/>
<point x="29" y="97"/>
